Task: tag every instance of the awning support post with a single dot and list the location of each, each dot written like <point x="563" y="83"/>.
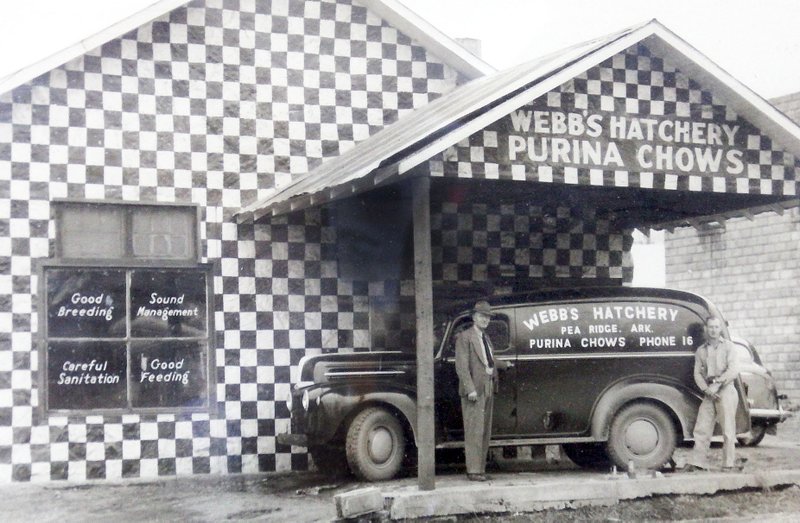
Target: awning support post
<point x="423" y="292"/>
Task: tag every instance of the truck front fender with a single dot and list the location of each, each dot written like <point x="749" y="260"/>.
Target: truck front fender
<point x="336" y="407"/>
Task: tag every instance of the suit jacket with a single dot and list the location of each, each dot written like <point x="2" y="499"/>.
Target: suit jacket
<point x="471" y="362"/>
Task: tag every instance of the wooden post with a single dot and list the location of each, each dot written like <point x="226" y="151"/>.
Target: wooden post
<point x="423" y="292"/>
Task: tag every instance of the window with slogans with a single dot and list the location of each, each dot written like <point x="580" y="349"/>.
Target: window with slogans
<point x="126" y="338"/>
<point x="608" y="326"/>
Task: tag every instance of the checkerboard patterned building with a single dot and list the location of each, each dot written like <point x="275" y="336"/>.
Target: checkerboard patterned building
<point x="215" y="103"/>
<point x="223" y="102"/>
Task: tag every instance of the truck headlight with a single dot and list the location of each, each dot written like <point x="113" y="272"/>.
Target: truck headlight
<point x="306" y="400"/>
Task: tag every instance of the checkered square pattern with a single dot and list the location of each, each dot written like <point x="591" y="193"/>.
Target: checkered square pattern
<point x="486" y="243"/>
<point x="393" y="315"/>
<point x="216" y="103"/>
<point x="483" y="242"/>
<point x="633" y="83"/>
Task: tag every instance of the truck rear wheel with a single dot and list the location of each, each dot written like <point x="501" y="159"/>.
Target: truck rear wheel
<point x="375" y="445"/>
<point x="643" y="434"/>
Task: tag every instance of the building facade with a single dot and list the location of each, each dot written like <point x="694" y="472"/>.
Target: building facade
<point x="211" y="105"/>
<point x="172" y="244"/>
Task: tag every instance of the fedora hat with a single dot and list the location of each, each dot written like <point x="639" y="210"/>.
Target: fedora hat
<point x="482" y="307"/>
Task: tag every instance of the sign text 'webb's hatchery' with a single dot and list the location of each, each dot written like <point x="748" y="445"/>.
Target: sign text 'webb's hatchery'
<point x="624" y="142"/>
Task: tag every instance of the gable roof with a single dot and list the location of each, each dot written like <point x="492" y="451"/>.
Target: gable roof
<point x="396" y="150"/>
<point x="394" y="13"/>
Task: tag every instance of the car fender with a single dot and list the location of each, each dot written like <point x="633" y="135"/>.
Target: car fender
<point x="680" y="401"/>
<point x="337" y="406"/>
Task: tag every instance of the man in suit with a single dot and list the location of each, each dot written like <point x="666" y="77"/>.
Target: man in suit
<point x="715" y="372"/>
<point x="477" y="376"/>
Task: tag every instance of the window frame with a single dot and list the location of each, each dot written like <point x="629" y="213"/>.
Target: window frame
<point x="42" y="339"/>
<point x="128" y="259"/>
<point x="458" y="325"/>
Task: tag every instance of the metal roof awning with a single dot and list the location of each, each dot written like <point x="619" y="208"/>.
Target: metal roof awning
<point x="395" y="151"/>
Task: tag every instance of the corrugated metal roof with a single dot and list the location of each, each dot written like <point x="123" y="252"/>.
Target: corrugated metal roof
<point x="348" y="172"/>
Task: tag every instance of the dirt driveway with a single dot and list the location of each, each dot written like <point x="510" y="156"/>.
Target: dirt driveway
<point x="304" y="497"/>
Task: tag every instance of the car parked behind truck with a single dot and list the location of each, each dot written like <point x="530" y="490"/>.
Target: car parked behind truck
<point x="763" y="400"/>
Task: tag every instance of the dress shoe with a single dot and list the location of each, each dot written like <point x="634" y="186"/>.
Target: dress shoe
<point x="477" y="477"/>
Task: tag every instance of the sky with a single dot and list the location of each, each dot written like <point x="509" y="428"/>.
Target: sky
<point x="757" y="41"/>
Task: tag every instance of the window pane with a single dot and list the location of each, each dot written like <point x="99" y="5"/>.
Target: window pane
<point x="498" y="332"/>
<point x="168" y="374"/>
<point x="92" y="232"/>
<point x="167" y="304"/>
<point x="87" y="375"/>
<point x="83" y="303"/>
<point x="163" y="233"/>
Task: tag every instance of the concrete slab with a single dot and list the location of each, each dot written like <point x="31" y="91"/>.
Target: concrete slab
<point x="358" y="502"/>
<point x="527" y="492"/>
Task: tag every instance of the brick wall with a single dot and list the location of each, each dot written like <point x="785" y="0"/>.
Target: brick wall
<point x="750" y="270"/>
<point x="789" y="104"/>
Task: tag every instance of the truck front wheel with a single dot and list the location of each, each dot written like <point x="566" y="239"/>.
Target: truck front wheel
<point x="375" y="445"/>
<point x="642" y="434"/>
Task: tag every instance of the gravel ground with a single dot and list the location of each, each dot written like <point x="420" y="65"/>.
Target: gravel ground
<point x="758" y="505"/>
<point x="302" y="497"/>
<point x="783" y="504"/>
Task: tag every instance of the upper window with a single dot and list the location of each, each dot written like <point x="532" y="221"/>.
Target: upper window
<point x="88" y="230"/>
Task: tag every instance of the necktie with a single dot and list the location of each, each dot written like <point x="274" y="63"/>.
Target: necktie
<point x="489" y="359"/>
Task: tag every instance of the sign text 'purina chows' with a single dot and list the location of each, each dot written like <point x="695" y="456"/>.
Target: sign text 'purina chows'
<point x="623" y="142"/>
